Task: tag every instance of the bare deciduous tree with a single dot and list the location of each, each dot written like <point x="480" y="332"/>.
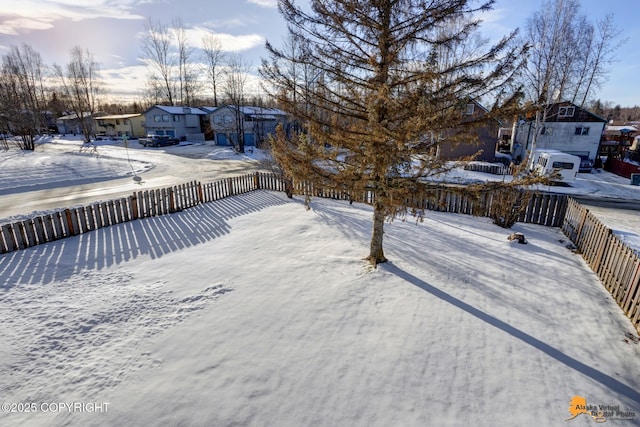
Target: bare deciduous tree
<point x="187" y="74"/>
<point x="214" y="57"/>
<point x="81" y="84"/>
<point x="158" y="53"/>
<point x="382" y="88"/>
<point x="235" y="82"/>
<point x="568" y="57"/>
<point x="23" y="94"/>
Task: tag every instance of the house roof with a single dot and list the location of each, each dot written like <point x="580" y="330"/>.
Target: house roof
<point x="621" y="129"/>
<point x="178" y="110"/>
<point x="580" y="115"/>
<point x="120" y="116"/>
<point x="248" y="110"/>
<point x="74" y="116"/>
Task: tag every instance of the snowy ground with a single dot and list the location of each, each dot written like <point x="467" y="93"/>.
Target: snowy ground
<point x="252" y="311"/>
<point x="62" y="173"/>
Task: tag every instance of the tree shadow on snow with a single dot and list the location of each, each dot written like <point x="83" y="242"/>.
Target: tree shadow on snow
<point x="592" y="373"/>
<point x="153" y="237"/>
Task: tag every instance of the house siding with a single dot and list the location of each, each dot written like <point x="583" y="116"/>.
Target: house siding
<point x="559" y="131"/>
<point x="484" y="149"/>
<point x="130" y="125"/>
<point x="177" y="122"/>
<point x="257" y="124"/>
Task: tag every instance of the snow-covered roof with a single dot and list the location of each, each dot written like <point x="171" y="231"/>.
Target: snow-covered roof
<point x="119" y="116"/>
<point x="179" y="110"/>
<point x="250" y="110"/>
<point x="623" y="129"/>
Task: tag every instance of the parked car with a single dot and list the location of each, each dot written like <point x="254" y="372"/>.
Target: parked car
<point x="157" y="141"/>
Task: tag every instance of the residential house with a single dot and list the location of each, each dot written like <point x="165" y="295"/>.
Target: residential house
<point x="256" y="124"/>
<point x="118" y="125"/>
<point x="70" y="123"/>
<point x="566" y="127"/>
<point x="617" y="139"/>
<point x="484" y="149"/>
<point x="184" y="123"/>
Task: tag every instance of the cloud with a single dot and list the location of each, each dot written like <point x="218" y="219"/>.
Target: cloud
<point x="29" y="15"/>
<point x="12" y="26"/>
<point x="265" y="3"/>
<point x="229" y="42"/>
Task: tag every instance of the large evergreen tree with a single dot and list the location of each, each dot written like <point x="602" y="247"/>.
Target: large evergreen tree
<point x="386" y="82"/>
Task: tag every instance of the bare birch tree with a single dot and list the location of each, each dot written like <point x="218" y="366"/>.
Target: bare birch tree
<point x="568" y="58"/>
<point x="235" y="82"/>
<point x="600" y="44"/>
<point x="187" y="74"/>
<point x="381" y="90"/>
<point x="214" y="58"/>
<point x="81" y="84"/>
<point x="161" y="59"/>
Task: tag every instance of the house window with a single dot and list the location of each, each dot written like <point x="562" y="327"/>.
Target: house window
<point x="176" y="118"/>
<point x="581" y="130"/>
<point x="469" y="109"/>
<point x="217" y="120"/>
<point x="157" y="118"/>
<point x="228" y="119"/>
<point x="566" y="111"/>
<point x="562" y="165"/>
<point x="165" y="117"/>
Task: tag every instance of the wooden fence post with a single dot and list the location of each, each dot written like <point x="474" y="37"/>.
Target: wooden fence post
<point x="200" y="192"/>
<point x="133" y="200"/>
<point x="230" y="186"/>
<point x="71" y="229"/>
<point x="583" y="219"/>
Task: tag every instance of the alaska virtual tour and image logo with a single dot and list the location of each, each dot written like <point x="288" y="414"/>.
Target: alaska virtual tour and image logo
<point x="599" y="413"/>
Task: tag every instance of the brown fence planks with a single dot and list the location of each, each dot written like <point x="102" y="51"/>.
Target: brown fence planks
<point x="616" y="264"/>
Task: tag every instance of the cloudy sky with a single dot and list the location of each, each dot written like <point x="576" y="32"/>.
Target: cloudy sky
<point x="110" y="30"/>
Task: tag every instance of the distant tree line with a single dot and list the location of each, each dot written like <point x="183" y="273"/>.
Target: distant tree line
<point x="567" y="57"/>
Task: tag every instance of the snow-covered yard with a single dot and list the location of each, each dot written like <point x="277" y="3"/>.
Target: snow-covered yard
<point x="253" y="311"/>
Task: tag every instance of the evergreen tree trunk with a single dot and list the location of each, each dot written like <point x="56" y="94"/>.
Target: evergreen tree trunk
<point x="376" y="253"/>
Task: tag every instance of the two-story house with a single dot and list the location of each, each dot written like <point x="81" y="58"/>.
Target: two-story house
<point x="118" y="125"/>
<point x="255" y="123"/>
<point x="483" y="148"/>
<point x="176" y="122"/>
<point x="564" y="127"/>
<point x="70" y="123"/>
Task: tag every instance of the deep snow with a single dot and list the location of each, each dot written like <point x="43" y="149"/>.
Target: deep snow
<point x="254" y="311"/>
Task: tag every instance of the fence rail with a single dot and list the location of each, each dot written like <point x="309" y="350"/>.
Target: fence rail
<point x="616" y="264"/>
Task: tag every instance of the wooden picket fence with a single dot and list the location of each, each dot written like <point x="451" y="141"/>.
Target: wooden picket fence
<point x="542" y="208"/>
<point x="494" y="169"/>
<point x="616" y="264"/>
<point x="141" y="204"/>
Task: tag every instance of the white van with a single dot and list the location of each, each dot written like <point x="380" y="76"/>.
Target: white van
<point x="548" y="162"/>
